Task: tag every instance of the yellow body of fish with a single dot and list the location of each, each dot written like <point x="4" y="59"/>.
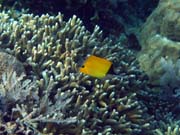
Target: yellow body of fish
<point x="96" y="66"/>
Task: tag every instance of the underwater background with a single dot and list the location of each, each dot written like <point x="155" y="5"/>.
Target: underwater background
<point x="89" y="67"/>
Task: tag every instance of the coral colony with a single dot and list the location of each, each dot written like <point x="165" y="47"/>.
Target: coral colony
<point x="44" y="91"/>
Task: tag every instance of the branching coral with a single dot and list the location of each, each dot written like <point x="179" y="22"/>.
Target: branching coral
<point x="51" y="50"/>
<point x="17" y="95"/>
<point x="170" y="127"/>
<point x="12" y="89"/>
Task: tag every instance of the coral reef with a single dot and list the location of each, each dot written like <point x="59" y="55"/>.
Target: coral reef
<point x="160" y="38"/>
<point x="159" y="58"/>
<point x="51" y="50"/>
<point x="170" y="80"/>
<point x="18" y="94"/>
<point x="163" y="101"/>
<point x="164" y="108"/>
<point x="170" y="127"/>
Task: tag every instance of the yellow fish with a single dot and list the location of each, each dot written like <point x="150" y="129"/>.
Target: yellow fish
<point x="96" y="66"/>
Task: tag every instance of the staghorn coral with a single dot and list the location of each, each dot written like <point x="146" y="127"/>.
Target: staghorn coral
<point x="160" y="37"/>
<point x="169" y="127"/>
<point x="12" y="89"/>
<point x="51" y="50"/>
<point x="23" y="111"/>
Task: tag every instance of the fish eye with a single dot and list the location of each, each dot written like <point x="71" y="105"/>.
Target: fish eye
<point x="82" y="66"/>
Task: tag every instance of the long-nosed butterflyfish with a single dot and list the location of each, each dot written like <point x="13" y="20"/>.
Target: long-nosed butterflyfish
<point x="96" y="66"/>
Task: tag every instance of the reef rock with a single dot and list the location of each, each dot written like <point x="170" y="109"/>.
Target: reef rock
<point x="160" y="37"/>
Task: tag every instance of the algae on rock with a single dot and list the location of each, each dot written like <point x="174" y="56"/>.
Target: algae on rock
<point x="160" y="37"/>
